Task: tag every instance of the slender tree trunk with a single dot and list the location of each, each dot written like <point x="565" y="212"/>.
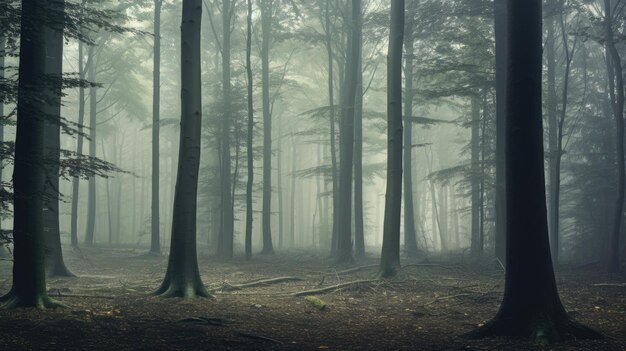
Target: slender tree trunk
<point x="91" y="195"/>
<point x="227" y="200"/>
<point x="155" y="242"/>
<point x="249" y="134"/>
<point x="359" y="235"/>
<point x="55" y="266"/>
<point x="266" y="27"/>
<point x="551" y="104"/>
<point x="79" y="147"/>
<point x="390" y="256"/>
<point x="29" y="278"/>
<point x="500" y="8"/>
<point x="616" y="89"/>
<point x="344" y="235"/>
<point x="182" y="278"/>
<point x="476" y="250"/>
<point x="333" y="147"/>
<point x="410" y="238"/>
<point x="531" y="306"/>
<point x="279" y="181"/>
<point x="292" y="208"/>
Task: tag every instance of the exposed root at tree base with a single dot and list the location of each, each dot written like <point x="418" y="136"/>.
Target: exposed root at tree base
<point x="545" y="331"/>
<point x="187" y="291"/>
<point x="42" y="302"/>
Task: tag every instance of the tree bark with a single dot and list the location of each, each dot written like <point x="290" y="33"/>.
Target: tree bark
<point x="91" y="194"/>
<point x="344" y="227"/>
<point x="249" y="145"/>
<point x="531" y="306"/>
<point x="359" y="235"/>
<point x="476" y="249"/>
<point x="79" y="146"/>
<point x="29" y="279"/>
<point x="182" y="278"/>
<point x="266" y="27"/>
<point x="410" y="236"/>
<point x="500" y="7"/>
<point x="155" y="242"/>
<point x="616" y="92"/>
<point x="226" y="248"/>
<point x="390" y="255"/>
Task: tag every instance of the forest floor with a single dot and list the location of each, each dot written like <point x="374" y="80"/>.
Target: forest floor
<point x="429" y="306"/>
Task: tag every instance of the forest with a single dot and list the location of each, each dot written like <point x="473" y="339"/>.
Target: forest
<point x="312" y="174"/>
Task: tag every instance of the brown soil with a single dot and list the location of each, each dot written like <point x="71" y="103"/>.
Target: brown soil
<point x="427" y="307"/>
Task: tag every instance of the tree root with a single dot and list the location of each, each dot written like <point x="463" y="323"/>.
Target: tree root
<point x="262" y="282"/>
<point x="187" y="291"/>
<point x="334" y="287"/>
<point x="41" y="302"/>
<point x="544" y="330"/>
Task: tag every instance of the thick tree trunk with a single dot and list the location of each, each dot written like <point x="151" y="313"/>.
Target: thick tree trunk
<point x="182" y="278"/>
<point x="249" y="145"/>
<point x="155" y="242"/>
<point x="390" y="255"/>
<point x="531" y="306"/>
<point x="344" y="227"/>
<point x="91" y="194"/>
<point x="226" y="247"/>
<point x="79" y="146"/>
<point x="29" y="279"/>
<point x="3" y="250"/>
<point x="53" y="36"/>
<point x="266" y="27"/>
<point x="410" y="238"/>
<point x="501" y="51"/>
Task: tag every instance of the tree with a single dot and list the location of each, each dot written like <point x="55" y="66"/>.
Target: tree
<point x="79" y="147"/>
<point x="390" y="255"/>
<point x="266" y="28"/>
<point x="500" y="30"/>
<point x="249" y="136"/>
<point x="531" y="306"/>
<point x="344" y="227"/>
<point x="155" y="242"/>
<point x="53" y="36"/>
<point x="182" y="278"/>
<point x="91" y="192"/>
<point x="29" y="279"/>
<point x="616" y="93"/>
<point x="410" y="236"/>
<point x="359" y="234"/>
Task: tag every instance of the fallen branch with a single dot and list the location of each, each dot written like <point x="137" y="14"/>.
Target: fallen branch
<point x="445" y="298"/>
<point x="333" y="287"/>
<point x="258" y="283"/>
<point x="616" y="285"/>
<point x="259" y="337"/>
<point x="357" y="269"/>
<point x="87" y="296"/>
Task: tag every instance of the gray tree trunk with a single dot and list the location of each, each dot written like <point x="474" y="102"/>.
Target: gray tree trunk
<point x="249" y="145"/>
<point x="266" y="27"/>
<point x="91" y="194"/>
<point x="155" y="242"/>
<point x="390" y="255"/>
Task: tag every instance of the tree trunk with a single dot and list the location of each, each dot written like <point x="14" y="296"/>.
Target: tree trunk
<point x="226" y="247"/>
<point x="79" y="146"/>
<point x="344" y="227"/>
<point x="551" y="105"/>
<point x="501" y="52"/>
<point x="91" y="194"/>
<point x="52" y="146"/>
<point x="155" y="242"/>
<point x="292" y="206"/>
<point x="333" y="147"/>
<point x="266" y="26"/>
<point x="359" y="235"/>
<point x="410" y="238"/>
<point x="249" y="135"/>
<point x="531" y="306"/>
<point x="616" y="88"/>
<point x="476" y="250"/>
<point x="29" y="279"/>
<point x="3" y="250"/>
<point x="182" y="278"/>
<point x="390" y="255"/>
